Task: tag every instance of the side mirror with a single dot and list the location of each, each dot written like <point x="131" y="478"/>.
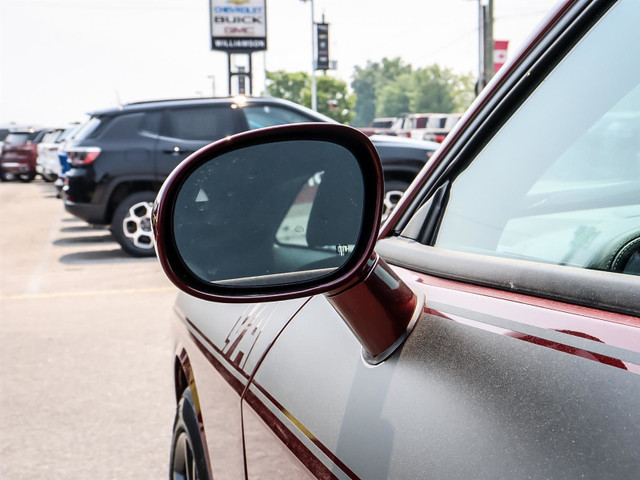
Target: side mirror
<point x="271" y="214"/>
<point x="286" y="212"/>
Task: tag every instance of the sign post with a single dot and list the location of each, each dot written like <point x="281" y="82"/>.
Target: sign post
<point x="238" y="27"/>
<point x="322" y="42"/>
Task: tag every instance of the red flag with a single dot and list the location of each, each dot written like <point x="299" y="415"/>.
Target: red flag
<point x="500" y="48"/>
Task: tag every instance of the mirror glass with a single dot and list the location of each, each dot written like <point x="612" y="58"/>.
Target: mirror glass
<point x="270" y="214"/>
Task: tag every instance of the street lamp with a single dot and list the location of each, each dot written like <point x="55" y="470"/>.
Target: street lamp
<point x="314" y="101"/>
<point x="213" y="84"/>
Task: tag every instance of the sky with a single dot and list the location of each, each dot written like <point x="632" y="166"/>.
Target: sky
<point x="60" y="59"/>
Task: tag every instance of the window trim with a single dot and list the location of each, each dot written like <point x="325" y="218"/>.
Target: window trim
<point x="609" y="291"/>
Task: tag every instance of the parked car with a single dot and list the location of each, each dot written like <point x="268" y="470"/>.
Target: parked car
<point x="409" y="122"/>
<point x="63" y="157"/>
<point x="402" y="159"/>
<point x="380" y="126"/>
<point x="490" y="329"/>
<point x="47" y="162"/>
<point x="119" y="158"/>
<point x="19" y="154"/>
<point x="438" y="127"/>
<point x="4" y="131"/>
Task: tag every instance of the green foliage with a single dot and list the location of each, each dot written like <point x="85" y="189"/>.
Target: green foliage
<point x="289" y="86"/>
<point x="368" y="84"/>
<point x="394" y="98"/>
<point x="389" y="88"/>
<point x="333" y="97"/>
<point x="334" y="100"/>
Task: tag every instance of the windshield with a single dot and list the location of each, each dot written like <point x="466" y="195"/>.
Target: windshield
<point x="18" y="138"/>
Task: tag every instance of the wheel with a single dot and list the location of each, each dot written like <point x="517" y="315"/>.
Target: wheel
<point x="187" y="461"/>
<point x="131" y="224"/>
<point x="26" y="177"/>
<point x="49" y="177"/>
<point x="393" y="191"/>
<point x="6" y="176"/>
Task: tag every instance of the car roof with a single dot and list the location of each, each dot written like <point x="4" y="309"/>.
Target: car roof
<point x="26" y="129"/>
<point x="183" y="102"/>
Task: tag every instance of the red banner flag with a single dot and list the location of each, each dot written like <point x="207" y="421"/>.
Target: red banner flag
<point x="500" y="48"/>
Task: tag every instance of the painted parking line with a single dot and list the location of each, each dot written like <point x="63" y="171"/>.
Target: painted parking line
<point x="88" y="293"/>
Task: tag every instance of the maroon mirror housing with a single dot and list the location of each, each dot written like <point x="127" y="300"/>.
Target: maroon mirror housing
<point x="286" y="212"/>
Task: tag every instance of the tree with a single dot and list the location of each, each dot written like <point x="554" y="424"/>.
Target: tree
<point x="392" y="87"/>
<point x="464" y="92"/>
<point x="334" y="100"/>
<point x="368" y="83"/>
<point x="437" y="89"/>
<point x="394" y="98"/>
<point x="364" y="86"/>
<point x="289" y="86"/>
<point x="431" y="90"/>
<point x="333" y="97"/>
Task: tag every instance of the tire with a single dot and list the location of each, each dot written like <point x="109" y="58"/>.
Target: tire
<point x="187" y="461"/>
<point x="26" y="177"/>
<point x="131" y="224"/>
<point x="6" y="176"/>
<point x="393" y="191"/>
<point x="49" y="177"/>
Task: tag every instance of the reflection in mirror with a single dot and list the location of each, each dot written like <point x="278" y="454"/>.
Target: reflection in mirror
<point x="270" y="214"/>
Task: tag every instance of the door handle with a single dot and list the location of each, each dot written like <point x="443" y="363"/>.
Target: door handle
<point x="177" y="151"/>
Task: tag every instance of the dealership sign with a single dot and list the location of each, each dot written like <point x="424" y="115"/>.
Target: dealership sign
<point x="238" y="26"/>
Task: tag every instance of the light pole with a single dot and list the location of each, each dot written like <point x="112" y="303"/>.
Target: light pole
<point x="213" y="84"/>
<point x="314" y="101"/>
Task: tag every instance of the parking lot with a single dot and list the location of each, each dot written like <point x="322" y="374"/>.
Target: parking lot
<point x="85" y="362"/>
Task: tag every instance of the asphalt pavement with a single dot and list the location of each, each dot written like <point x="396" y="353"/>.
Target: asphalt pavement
<point x="86" y="389"/>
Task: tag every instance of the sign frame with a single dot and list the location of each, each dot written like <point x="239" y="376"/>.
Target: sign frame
<point x="238" y="26"/>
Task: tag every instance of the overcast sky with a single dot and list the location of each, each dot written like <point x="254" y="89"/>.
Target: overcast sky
<point x="62" y="58"/>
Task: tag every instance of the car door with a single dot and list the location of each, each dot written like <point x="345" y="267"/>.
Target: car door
<point x="220" y="355"/>
<point x="221" y="347"/>
<point x="525" y="245"/>
<point x="187" y="129"/>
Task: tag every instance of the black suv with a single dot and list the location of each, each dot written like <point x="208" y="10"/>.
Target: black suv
<point x="120" y="157"/>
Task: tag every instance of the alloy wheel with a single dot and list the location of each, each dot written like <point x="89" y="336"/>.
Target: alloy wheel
<point x="391" y="199"/>
<point x="184" y="464"/>
<point x="137" y="225"/>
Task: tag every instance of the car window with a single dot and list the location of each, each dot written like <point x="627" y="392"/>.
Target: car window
<point x="68" y="133"/>
<point x="201" y="123"/>
<point x="421" y="122"/>
<point x="559" y="182"/>
<point x="51" y="137"/>
<point x="151" y="122"/>
<point x="17" y="138"/>
<point x="293" y="229"/>
<point x="88" y="128"/>
<point x="382" y="123"/>
<point x="437" y="121"/>
<point x="259" y="116"/>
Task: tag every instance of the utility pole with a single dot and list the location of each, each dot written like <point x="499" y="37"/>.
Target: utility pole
<point x="485" y="40"/>
<point x="314" y="99"/>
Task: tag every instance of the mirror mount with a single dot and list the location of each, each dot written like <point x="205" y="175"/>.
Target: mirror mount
<point x="380" y="310"/>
